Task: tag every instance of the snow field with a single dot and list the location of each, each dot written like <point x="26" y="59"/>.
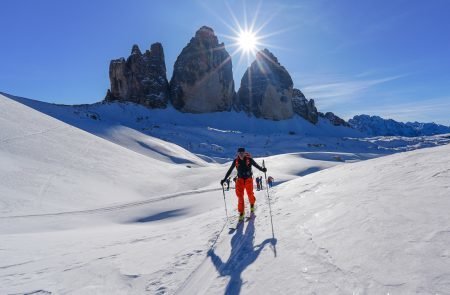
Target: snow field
<point x="100" y="208"/>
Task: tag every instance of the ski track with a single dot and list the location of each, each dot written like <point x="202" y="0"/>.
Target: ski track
<point x="46" y="185"/>
<point x="11" y="139"/>
<point x="117" y="207"/>
<point x="201" y="279"/>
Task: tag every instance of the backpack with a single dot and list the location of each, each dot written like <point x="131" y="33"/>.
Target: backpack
<point x="247" y="157"/>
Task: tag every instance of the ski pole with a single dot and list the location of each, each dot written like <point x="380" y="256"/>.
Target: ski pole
<point x="225" y="202"/>
<point x="270" y="208"/>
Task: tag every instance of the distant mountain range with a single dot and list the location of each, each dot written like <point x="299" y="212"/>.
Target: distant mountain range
<point x="377" y="126"/>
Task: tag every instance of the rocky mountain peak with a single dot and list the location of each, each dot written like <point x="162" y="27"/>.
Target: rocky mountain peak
<point x="141" y="78"/>
<point x="334" y="119"/>
<point x="205" y="37"/>
<point x="135" y="50"/>
<point x="266" y="89"/>
<point x="202" y="79"/>
<point x="303" y="107"/>
<point x="205" y="32"/>
<point x="267" y="56"/>
<point x="202" y="82"/>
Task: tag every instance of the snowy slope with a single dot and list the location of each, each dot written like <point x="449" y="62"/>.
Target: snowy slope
<point x="374" y="227"/>
<point x="214" y="137"/>
<point x="379" y="226"/>
<point x="49" y="166"/>
<point x="68" y="198"/>
<point x="84" y="214"/>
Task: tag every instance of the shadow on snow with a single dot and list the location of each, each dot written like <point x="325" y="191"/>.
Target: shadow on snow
<point x="243" y="253"/>
<point x="161" y="216"/>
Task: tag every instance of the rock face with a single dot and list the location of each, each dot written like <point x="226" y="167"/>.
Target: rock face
<point x="202" y="82"/>
<point x="303" y="107"/>
<point x="140" y="79"/>
<point x="202" y="78"/>
<point x="266" y="89"/>
<point x="335" y="120"/>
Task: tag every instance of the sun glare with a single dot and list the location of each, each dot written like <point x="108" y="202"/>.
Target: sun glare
<point x="247" y="41"/>
<point x="247" y="36"/>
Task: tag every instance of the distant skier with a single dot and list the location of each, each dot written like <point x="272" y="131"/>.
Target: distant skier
<point x="259" y="183"/>
<point x="270" y="181"/>
<point x="243" y="164"/>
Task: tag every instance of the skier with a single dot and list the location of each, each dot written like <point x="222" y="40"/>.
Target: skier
<point x="243" y="164"/>
<point x="260" y="182"/>
<point x="257" y="184"/>
<point x="270" y="181"/>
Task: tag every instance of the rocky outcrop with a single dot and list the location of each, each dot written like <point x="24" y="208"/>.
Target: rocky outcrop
<point x="202" y="82"/>
<point x="140" y="79"/>
<point x="266" y="89"/>
<point x="335" y="120"/>
<point x="202" y="78"/>
<point x="303" y="107"/>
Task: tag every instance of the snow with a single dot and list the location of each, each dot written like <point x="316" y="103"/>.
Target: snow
<point x="376" y="126"/>
<point x="107" y="206"/>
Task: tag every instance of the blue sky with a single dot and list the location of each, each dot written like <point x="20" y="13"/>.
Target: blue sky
<point x="388" y="58"/>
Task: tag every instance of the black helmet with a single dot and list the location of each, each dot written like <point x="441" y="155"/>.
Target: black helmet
<point x="241" y="149"/>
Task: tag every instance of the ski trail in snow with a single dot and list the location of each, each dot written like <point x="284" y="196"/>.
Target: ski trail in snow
<point x="72" y="160"/>
<point x="118" y="207"/>
<point x="24" y="136"/>
<point x="238" y="251"/>
<point x="202" y="277"/>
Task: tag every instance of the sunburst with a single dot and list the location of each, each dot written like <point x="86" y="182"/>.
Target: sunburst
<point x="247" y="41"/>
<point x="246" y="36"/>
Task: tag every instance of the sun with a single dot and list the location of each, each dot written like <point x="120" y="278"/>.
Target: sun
<point x="247" y="41"/>
<point x="248" y="35"/>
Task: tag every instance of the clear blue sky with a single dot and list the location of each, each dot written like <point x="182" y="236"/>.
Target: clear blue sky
<point x="388" y="57"/>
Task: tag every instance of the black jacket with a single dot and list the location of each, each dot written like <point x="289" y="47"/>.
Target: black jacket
<point x="244" y="168"/>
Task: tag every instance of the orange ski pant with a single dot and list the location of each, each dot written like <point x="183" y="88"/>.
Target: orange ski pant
<point x="241" y="185"/>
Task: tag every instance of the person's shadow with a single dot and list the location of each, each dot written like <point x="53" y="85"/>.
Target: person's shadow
<point x="243" y="253"/>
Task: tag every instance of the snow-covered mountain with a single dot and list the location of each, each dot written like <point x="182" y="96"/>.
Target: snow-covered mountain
<point x="428" y="128"/>
<point x="377" y="126"/>
<point x="96" y="200"/>
<point x="214" y="137"/>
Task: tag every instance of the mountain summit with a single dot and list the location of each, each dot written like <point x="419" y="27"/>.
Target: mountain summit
<point x="266" y="89"/>
<point x="141" y="78"/>
<point x="202" y="80"/>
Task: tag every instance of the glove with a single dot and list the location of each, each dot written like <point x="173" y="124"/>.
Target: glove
<point x="222" y="182"/>
<point x="264" y="170"/>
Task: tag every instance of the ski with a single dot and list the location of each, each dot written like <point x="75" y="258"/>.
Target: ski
<point x="237" y="223"/>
